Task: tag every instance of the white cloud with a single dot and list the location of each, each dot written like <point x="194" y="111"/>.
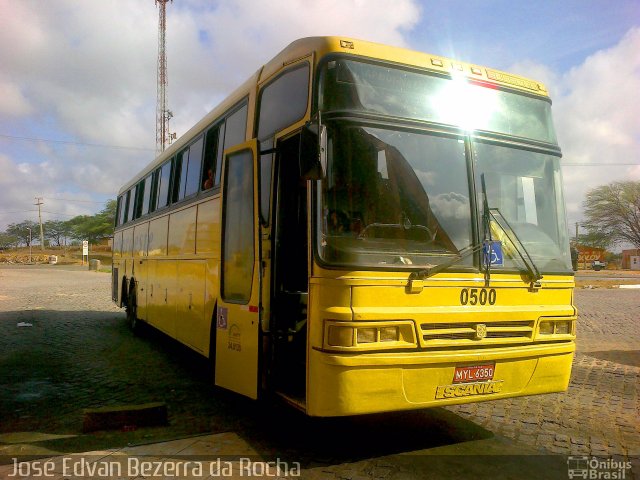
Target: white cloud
<point x="86" y="72"/>
<point x="596" y="117"/>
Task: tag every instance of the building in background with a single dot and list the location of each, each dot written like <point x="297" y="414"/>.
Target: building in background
<point x="631" y="259"/>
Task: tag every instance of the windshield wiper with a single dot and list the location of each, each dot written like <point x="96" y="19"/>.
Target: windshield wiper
<point x="486" y="246"/>
<point x="489" y="214"/>
<point x="433" y="269"/>
<point x="532" y="270"/>
<point x="487" y="243"/>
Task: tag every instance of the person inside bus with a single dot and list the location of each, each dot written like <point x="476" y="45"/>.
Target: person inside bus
<point x="208" y="183"/>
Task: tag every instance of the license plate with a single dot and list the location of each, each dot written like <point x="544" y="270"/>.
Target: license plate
<point x="474" y="373"/>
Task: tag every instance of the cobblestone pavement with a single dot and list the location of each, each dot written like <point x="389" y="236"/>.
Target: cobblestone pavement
<point x="74" y="351"/>
<point x="599" y="413"/>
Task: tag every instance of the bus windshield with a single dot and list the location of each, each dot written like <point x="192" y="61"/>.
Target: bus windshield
<point x="526" y="188"/>
<point x="394" y="198"/>
<point x="391" y="91"/>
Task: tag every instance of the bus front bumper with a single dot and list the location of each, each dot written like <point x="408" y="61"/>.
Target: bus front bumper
<point x="351" y="384"/>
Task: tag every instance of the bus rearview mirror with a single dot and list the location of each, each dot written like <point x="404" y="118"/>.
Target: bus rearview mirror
<point x="313" y="152"/>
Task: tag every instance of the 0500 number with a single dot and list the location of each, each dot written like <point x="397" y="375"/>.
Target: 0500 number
<point x="478" y="296"/>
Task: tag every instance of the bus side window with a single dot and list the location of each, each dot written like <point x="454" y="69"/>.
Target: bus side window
<point x="180" y="175"/>
<point x="119" y="209"/>
<point x="131" y="202"/>
<point x="163" y="185"/>
<point x="153" y="199"/>
<point x="223" y="126"/>
<point x="140" y="187"/>
<point x="283" y="101"/>
<point x="209" y="168"/>
<point x="236" y="127"/>
<point x="194" y="167"/>
<point x="125" y="207"/>
<point x="146" y="195"/>
<point x="235" y="132"/>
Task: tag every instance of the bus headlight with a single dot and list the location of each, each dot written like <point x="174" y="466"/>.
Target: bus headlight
<point x="367" y="335"/>
<point x="340" y="336"/>
<point x="546" y="328"/>
<point x="559" y="326"/>
<point x="372" y="335"/>
<point x="389" y="334"/>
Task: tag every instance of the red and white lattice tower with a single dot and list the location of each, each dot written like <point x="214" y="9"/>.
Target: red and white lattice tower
<point x="163" y="137"/>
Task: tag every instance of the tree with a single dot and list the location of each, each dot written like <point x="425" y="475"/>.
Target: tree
<point x="56" y="231"/>
<point x="613" y="211"/>
<point x="7" y="240"/>
<point x="21" y="231"/>
<point x="95" y="227"/>
<point x="594" y="239"/>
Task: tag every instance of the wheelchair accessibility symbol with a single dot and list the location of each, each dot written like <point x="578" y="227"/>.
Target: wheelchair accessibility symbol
<point x="492" y="254"/>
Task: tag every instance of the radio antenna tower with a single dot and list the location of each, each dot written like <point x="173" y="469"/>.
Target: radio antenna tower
<point x="163" y="114"/>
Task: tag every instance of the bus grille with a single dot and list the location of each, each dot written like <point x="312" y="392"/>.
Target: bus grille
<point x="476" y="333"/>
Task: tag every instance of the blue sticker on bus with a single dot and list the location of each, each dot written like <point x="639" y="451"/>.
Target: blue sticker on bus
<point x="492" y="254"/>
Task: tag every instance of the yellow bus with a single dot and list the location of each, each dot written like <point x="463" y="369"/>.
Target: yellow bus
<point x="360" y="228"/>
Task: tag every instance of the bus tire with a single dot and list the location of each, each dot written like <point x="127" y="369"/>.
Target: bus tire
<point x="132" y="309"/>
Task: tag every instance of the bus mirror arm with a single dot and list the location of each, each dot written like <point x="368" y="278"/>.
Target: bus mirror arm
<point x="313" y="150"/>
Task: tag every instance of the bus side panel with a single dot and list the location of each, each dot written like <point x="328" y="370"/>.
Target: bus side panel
<point x="157" y="291"/>
<point x="127" y="254"/>
<point x="140" y="239"/>
<point x="162" y="307"/>
<point x="208" y="245"/>
<point x="117" y="269"/>
<point x="182" y="232"/>
<point x="190" y="322"/>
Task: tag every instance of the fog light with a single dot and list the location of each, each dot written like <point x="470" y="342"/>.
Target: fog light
<point x="367" y="335"/>
<point x="389" y="334"/>
<point x="546" y="328"/>
<point x="340" y="336"/>
<point x="563" y="328"/>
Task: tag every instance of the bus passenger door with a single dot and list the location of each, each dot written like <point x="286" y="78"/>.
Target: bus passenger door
<point x="238" y="319"/>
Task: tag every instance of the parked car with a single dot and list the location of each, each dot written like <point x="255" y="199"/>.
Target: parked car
<point x="598" y="265"/>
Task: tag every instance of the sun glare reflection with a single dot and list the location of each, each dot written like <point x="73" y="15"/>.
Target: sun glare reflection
<point x="469" y="106"/>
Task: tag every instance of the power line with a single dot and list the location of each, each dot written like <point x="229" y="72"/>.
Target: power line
<point x="598" y="164"/>
<point x="78" y="144"/>
<point x="78" y="201"/>
<point x="17" y="211"/>
<point x="43" y="211"/>
<point x="65" y="214"/>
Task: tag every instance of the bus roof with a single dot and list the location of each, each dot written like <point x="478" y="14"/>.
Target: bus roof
<point x="322" y="46"/>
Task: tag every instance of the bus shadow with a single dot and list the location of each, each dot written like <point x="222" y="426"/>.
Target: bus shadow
<point x="273" y="429"/>
<point x="60" y="362"/>
<point x="287" y="434"/>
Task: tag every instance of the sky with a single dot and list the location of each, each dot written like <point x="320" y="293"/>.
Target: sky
<point x="78" y="79"/>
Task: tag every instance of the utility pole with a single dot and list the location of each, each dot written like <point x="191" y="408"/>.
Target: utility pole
<point x="163" y="114"/>
<point x="39" y="203"/>
<point x="30" y="252"/>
